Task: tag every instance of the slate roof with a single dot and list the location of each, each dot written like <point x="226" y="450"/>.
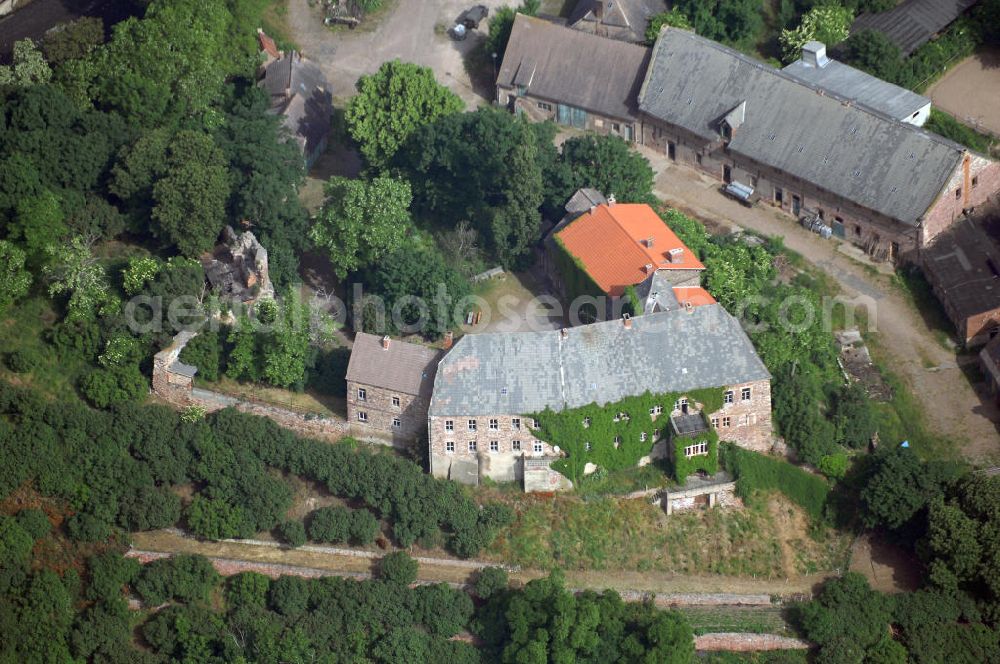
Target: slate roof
<point x="403" y="367"/>
<point x="963" y="264"/>
<point x="861" y="87"/>
<point x="300" y="93"/>
<point x="523" y="373"/>
<point x="910" y="24"/>
<point x="571" y="67"/>
<point x="627" y="19"/>
<point x="875" y="161"/>
<point x="610" y="244"/>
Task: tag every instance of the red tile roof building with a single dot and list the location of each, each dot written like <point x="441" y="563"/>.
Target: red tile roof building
<point x="625" y="244"/>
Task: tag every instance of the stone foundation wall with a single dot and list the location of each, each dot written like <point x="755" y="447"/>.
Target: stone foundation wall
<point x="180" y="392"/>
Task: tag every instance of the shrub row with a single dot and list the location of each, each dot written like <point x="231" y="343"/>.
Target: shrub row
<point x="758" y="472"/>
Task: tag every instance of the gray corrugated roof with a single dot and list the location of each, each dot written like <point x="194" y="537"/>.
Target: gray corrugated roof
<point x="962" y="264"/>
<point x="911" y="23"/>
<point x="571" y="67"/>
<point x="526" y="372"/>
<point x="404" y="367"/>
<point x="299" y="92"/>
<point x="861" y="87"/>
<point x="877" y="162"/>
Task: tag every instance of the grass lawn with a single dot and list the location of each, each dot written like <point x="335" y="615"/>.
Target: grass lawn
<point x="752" y="619"/>
<point x="307" y="402"/>
<point x="571" y="532"/>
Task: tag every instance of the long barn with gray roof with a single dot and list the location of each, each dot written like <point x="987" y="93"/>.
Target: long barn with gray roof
<point x="488" y="385"/>
<point x="806" y="146"/>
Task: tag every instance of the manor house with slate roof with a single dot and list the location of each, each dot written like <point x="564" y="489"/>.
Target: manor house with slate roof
<point x="488" y="386"/>
<point x="885" y="185"/>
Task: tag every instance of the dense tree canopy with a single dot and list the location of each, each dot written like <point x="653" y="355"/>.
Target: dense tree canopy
<point x="391" y="104"/>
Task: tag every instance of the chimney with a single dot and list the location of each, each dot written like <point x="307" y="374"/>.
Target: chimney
<point x="449" y="339"/>
<point x="385" y="342"/>
<point x="612" y="200"/>
<point x="688" y="307"/>
<point x="676" y="255"/>
<point x="648" y="268"/>
<point x="650" y="241"/>
<point x="814" y="54"/>
<point x="564" y="333"/>
<point x="627" y="319"/>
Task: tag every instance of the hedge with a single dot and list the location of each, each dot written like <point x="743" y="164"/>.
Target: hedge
<point x="598" y="425"/>
<point x="758" y="472"/>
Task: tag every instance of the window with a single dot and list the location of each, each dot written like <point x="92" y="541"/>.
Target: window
<point x="449" y="447"/>
<point x="681" y="404"/>
<point x="586" y="422"/>
<point x="727" y="397"/>
<point x="395" y="402"/>
<point x="515" y="445"/>
<point x="472" y="425"/>
<point x="857" y="229"/>
<point x="534" y="424"/>
<point x="779" y="196"/>
<point x="656" y="410"/>
<point x="618" y="441"/>
<point x="516" y="423"/>
<point x="362" y="416"/>
<point x="494" y="446"/>
<point x="726" y="421"/>
<point x="449" y="425"/>
<point x="588" y="446"/>
<point x="472" y="446"/>
<point x="616" y="127"/>
<point x="697" y="158"/>
<point x="656" y="434"/>
<point x="745" y="394"/>
<point x="544" y="107"/>
<point x="643" y="437"/>
<point x="537" y="447"/>
<point x="494" y="424"/>
<point x="671" y="151"/>
<point x="958" y="193"/>
<point x="975" y="181"/>
<point x="698" y="449"/>
<point x="396" y="423"/>
<point x="820" y="213"/>
<point x="715" y="422"/>
<point x="362" y="394"/>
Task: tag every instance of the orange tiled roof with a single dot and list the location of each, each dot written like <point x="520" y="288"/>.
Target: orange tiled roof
<point x="696" y="296"/>
<point x="611" y="242"/>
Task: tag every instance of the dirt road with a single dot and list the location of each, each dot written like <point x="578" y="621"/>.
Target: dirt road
<point x="675" y="589"/>
<point x="412" y="31"/>
<point x="955" y="409"/>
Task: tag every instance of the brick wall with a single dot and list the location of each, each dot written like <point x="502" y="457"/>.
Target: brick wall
<point x="749" y="422"/>
<point x="975" y="183"/>
<point x="540" y="110"/>
<point x="381" y="413"/>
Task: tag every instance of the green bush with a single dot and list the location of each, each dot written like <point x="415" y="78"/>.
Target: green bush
<point x="205" y="351"/>
<point x="293" y="533"/>
<point x="24" y="360"/>
<point x="112" y="387"/>
<point x="757" y="472"/>
<point x="947" y="126"/>
<point x="398" y="567"/>
<point x="490" y="581"/>
<point x="35" y="522"/>
<point x="183" y="577"/>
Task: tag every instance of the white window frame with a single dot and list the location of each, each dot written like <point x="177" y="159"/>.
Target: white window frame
<point x="515" y="422"/>
<point x="728" y="397"/>
<point x="537" y="447"/>
<point x="449" y="447"/>
<point x="472" y="446"/>
<point x="698" y="449"/>
<point x="746" y="394"/>
<point x="643" y="437"/>
<point x="494" y="424"/>
<point x="587" y="447"/>
<point x="395" y="401"/>
<point x="362" y="394"/>
<point x="396" y="423"/>
<point x="362" y="417"/>
<point x="515" y="445"/>
<point x="473" y="425"/>
<point x="449" y="425"/>
<point x="494" y="446"/>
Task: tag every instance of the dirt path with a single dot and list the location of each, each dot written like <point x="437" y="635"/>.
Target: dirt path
<point x="672" y="589"/>
<point x="408" y="32"/>
<point x="954" y="408"/>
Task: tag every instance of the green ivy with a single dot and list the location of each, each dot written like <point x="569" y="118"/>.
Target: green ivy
<point x="574" y="275"/>
<point x="759" y="472"/>
<point x="632" y="298"/>
<point x="708" y="463"/>
<point x="567" y="429"/>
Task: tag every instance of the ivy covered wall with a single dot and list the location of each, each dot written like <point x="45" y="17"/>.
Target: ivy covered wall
<point x="575" y="277"/>
<point x="684" y="466"/>
<point x="601" y="426"/>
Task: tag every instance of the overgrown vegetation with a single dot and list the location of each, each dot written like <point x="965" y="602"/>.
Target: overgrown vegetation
<point x="758" y="472"/>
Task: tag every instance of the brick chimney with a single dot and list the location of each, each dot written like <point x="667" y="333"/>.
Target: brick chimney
<point x="627" y="319"/>
<point x="676" y="255"/>
<point x="612" y="200"/>
<point x="385" y="342"/>
<point x="449" y="339"/>
<point x="564" y="333"/>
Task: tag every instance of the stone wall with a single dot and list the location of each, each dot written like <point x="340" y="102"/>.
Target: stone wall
<point x="749" y="422"/>
<point x="179" y="391"/>
<point x="505" y="464"/>
<point x="381" y="414"/>
<point x="975" y="183"/>
<point x="541" y="110"/>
